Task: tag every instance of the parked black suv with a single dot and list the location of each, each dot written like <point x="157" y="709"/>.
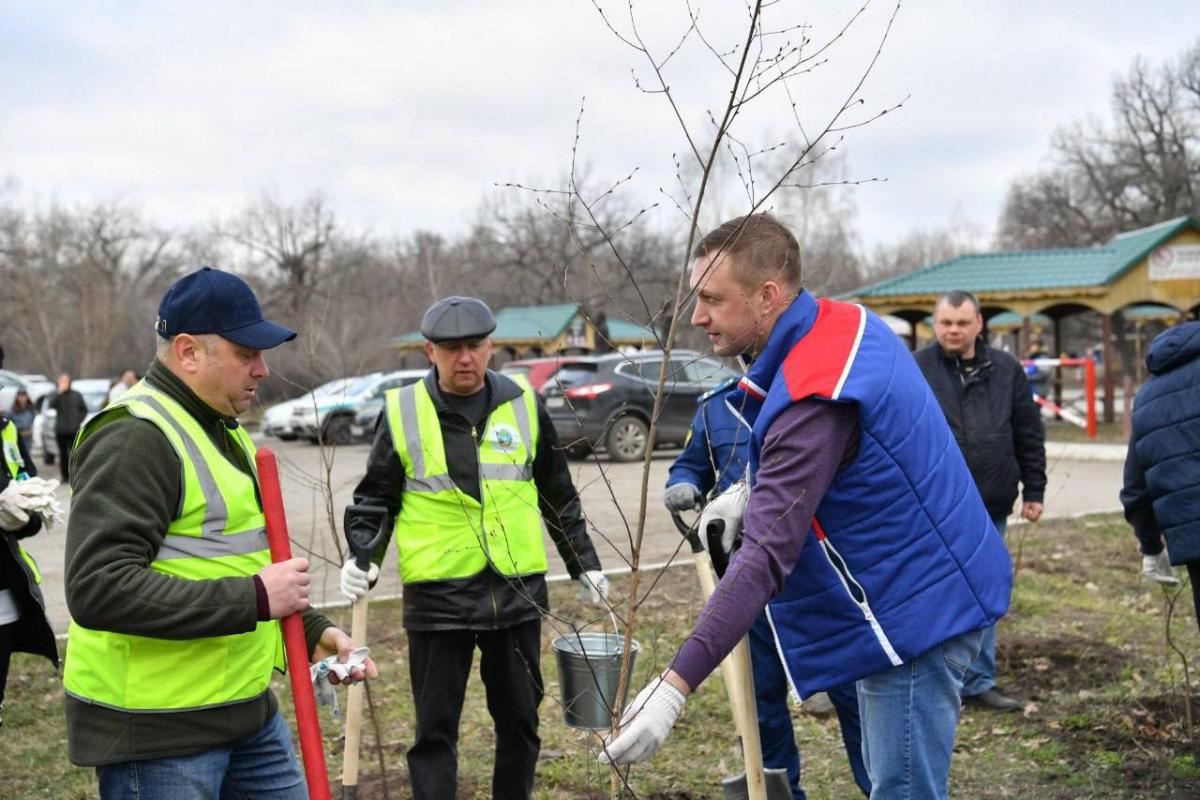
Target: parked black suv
<point x="607" y="400"/>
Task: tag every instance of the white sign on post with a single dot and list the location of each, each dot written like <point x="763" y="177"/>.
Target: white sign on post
<point x="1175" y="262"/>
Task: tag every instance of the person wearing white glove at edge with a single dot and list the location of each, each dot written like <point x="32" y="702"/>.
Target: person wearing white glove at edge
<point x="23" y="623"/>
<point x="855" y="561"/>
<point x="467" y="463"/>
<point x="1162" y="466"/>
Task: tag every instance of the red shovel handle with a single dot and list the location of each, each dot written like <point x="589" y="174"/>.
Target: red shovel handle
<point x="312" y="750"/>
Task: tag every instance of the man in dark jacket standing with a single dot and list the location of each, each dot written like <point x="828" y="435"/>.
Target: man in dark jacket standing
<point x="985" y="396"/>
<point x="1162" y="469"/>
<point x="467" y="465"/>
<point x="70" y="412"/>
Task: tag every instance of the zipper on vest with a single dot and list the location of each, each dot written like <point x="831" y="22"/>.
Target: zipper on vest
<point x="483" y="531"/>
<point x="787" y="673"/>
<point x="856" y="592"/>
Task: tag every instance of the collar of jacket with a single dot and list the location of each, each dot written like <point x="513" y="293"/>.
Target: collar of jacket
<point x="500" y="388"/>
<point x="169" y="383"/>
<point x="793" y="324"/>
<point x="983" y="360"/>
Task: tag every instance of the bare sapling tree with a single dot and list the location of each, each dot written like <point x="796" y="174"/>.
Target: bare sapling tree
<point x="761" y="63"/>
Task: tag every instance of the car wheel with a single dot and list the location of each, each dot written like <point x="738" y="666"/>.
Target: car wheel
<point x="627" y="439"/>
<point x="337" y="431"/>
<point x="287" y="437"/>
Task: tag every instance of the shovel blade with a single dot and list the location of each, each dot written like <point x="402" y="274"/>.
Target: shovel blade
<point x="775" y="778"/>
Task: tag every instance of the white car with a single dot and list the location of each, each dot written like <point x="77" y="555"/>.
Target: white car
<point x="331" y="418"/>
<point x="279" y="419"/>
<point x="95" y="396"/>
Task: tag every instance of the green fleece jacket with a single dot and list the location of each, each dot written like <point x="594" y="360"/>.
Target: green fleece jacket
<point x="127" y="480"/>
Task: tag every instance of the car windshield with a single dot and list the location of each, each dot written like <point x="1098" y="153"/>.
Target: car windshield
<point x="95" y="400"/>
<point x="332" y="387"/>
<point x="356" y="387"/>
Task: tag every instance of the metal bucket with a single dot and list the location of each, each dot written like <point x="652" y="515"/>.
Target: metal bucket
<point x="589" y="668"/>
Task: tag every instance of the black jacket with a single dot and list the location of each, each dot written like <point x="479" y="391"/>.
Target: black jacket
<point x="487" y="600"/>
<point x="32" y="632"/>
<point x="70" y="412"/>
<point x="995" y="421"/>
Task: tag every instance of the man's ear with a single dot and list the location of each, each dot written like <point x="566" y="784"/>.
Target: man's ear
<point x="771" y="295"/>
<point x="429" y="350"/>
<point x="187" y="349"/>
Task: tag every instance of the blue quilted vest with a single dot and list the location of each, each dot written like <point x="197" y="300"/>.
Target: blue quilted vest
<point x="901" y="555"/>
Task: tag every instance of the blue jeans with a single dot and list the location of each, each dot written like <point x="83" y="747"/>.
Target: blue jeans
<point x="982" y="674"/>
<point x="261" y="766"/>
<point x="909" y="717"/>
<point x="775" y="720"/>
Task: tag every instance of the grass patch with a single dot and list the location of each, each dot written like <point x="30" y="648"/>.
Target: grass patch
<point x="1104" y="713"/>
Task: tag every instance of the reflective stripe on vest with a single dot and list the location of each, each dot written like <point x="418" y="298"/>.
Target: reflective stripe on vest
<point x="218" y="531"/>
<point x="15" y="466"/>
<point x="444" y="533"/>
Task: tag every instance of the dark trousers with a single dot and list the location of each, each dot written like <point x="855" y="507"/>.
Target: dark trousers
<point x="775" y="730"/>
<point x="7" y="633"/>
<point x="65" y="442"/>
<point x="439" y="664"/>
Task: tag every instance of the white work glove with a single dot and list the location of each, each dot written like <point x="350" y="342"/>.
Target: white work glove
<point x="32" y="496"/>
<point x="355" y="583"/>
<point x="1158" y="569"/>
<point x="730" y="506"/>
<point x="682" y="497"/>
<point x="593" y="587"/>
<point x="645" y="724"/>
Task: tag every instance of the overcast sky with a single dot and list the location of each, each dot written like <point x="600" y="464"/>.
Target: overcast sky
<point x="405" y="114"/>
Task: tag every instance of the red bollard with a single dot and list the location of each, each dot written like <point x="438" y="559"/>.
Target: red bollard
<point x="312" y="750"/>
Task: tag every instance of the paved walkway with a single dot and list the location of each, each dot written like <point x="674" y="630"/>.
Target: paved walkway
<point x="1076" y="486"/>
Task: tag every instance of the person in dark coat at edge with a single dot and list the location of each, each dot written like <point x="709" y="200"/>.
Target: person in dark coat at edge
<point x="23" y="624"/>
<point x="716" y="456"/>
<point x="1162" y="467"/>
<point x="986" y="398"/>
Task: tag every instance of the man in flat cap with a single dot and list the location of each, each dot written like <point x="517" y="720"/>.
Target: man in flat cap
<point x="467" y="465"/>
<point x="174" y="600"/>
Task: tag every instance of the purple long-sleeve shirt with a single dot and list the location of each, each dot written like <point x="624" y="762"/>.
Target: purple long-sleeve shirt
<point x="805" y="446"/>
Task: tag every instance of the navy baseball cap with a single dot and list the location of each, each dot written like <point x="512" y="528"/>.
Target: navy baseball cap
<point x="211" y="301"/>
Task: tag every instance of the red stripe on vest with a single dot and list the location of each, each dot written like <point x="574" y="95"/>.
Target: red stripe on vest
<point x="818" y="530"/>
<point x="816" y="363"/>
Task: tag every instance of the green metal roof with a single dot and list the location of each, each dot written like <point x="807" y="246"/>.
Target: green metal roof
<point x="544" y="322"/>
<point x="533" y="322"/>
<point x="1033" y="269"/>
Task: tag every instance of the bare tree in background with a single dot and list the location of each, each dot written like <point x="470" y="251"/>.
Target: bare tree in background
<point x="1141" y="168"/>
<point x="921" y="248"/>
<point x="291" y="239"/>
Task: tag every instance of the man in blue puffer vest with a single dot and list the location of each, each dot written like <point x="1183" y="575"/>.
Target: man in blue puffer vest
<point x="716" y="456"/>
<point x="1162" y="469"/>
<point x="864" y="530"/>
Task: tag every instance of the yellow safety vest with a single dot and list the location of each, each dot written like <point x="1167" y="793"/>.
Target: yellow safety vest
<point x="444" y="533"/>
<point x="219" y="531"/>
<point x="16" y="466"/>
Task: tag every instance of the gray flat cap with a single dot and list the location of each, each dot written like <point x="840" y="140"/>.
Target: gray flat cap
<point x="455" y="318"/>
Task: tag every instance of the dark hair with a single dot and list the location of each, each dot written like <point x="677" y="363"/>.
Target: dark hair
<point x="956" y="298"/>
<point x="764" y="250"/>
<point x="17" y="405"/>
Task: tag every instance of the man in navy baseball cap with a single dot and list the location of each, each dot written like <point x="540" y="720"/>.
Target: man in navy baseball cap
<point x="211" y="301"/>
